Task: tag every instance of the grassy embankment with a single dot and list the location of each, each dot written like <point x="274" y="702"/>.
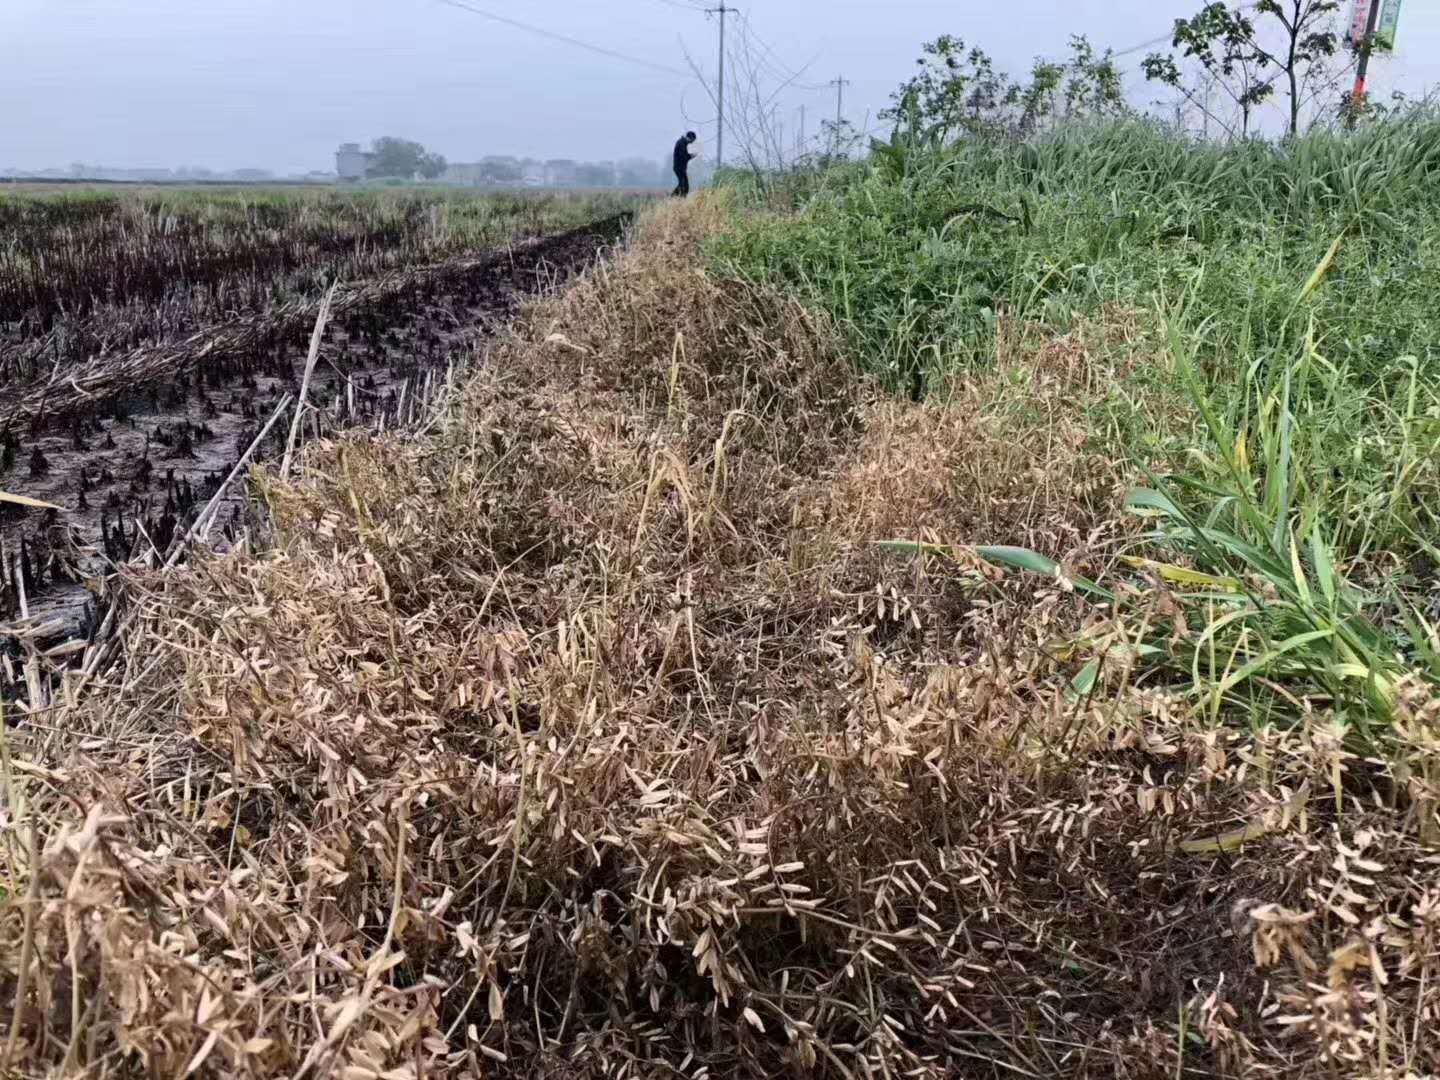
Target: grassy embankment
<point x="1265" y="360"/>
<point x="591" y="728"/>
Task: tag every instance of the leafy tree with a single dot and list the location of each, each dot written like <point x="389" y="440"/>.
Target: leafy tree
<point x="960" y="90"/>
<point x="501" y="170"/>
<point x="1093" y="84"/>
<point x="1236" y="53"/>
<point x="1086" y="85"/>
<point x="840" y="140"/>
<point x="957" y="88"/>
<point x="404" y="158"/>
<point x="1310" y="43"/>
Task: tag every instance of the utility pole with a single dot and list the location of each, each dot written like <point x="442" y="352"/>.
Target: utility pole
<point x="1357" y="96"/>
<point x="722" y="11"/>
<point x="839" y="83"/>
<point x="801" y="147"/>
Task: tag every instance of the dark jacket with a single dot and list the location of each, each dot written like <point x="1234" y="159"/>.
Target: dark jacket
<point x="682" y="154"/>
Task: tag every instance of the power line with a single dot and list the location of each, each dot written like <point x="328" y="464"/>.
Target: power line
<point x="719" y="96"/>
<point x="787" y="79"/>
<point x="1163" y="39"/>
<point x="1166" y="39"/>
<point x="823" y="136"/>
<point x="542" y="32"/>
<point x="778" y="68"/>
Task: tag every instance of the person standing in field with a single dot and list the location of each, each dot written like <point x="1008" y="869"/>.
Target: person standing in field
<point x="683" y="157"/>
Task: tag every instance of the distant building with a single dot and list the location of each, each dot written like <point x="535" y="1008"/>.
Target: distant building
<point x="459" y="172"/>
<point x="561" y="172"/>
<point x="502" y="169"/>
<point x="637" y="173"/>
<point x="352" y="163"/>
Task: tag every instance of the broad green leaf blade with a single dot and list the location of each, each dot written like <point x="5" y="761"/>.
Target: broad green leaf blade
<point x="1279" y="472"/>
<point x="1148" y="501"/>
<point x="1261" y="662"/>
<point x="1302" y="585"/>
<point x="1019" y="558"/>
<point x="1084" y="682"/>
<point x="1015" y="558"/>
<point x="1324" y="565"/>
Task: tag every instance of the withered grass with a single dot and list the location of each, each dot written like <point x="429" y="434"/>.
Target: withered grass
<point x="588" y="734"/>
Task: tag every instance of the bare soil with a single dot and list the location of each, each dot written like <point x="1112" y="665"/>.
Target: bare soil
<point x="132" y="468"/>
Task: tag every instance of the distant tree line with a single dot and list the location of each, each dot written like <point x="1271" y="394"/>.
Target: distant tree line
<point x="403" y="158"/>
<point x="396" y="158"/>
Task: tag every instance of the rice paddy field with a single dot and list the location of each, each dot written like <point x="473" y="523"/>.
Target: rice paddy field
<point x="102" y="268"/>
<point x="147" y="335"/>
<point x="966" y="612"/>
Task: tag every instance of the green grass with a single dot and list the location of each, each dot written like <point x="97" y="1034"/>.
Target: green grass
<point x="1287" y="299"/>
<point x="911" y="251"/>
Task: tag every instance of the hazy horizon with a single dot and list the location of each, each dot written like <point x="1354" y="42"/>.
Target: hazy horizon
<point x="265" y="84"/>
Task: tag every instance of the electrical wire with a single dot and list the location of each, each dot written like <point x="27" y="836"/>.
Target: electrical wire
<point x="1163" y="39"/>
<point x="778" y="68"/>
<point x="1166" y="39"/>
<point x="576" y="42"/>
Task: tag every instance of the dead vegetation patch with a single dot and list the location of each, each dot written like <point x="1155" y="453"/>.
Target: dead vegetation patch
<point x="587" y="735"/>
<point x="999" y="459"/>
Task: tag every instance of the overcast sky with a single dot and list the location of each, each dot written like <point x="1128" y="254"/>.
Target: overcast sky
<point x="278" y="83"/>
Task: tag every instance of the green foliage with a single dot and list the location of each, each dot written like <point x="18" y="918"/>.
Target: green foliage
<point x="1232" y="51"/>
<point x="1258" y="619"/>
<point x="959" y="91"/>
<point x="1279" y="620"/>
<point x="1285" y="292"/>
<point x="916" y="251"/>
<point x="404" y="159"/>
